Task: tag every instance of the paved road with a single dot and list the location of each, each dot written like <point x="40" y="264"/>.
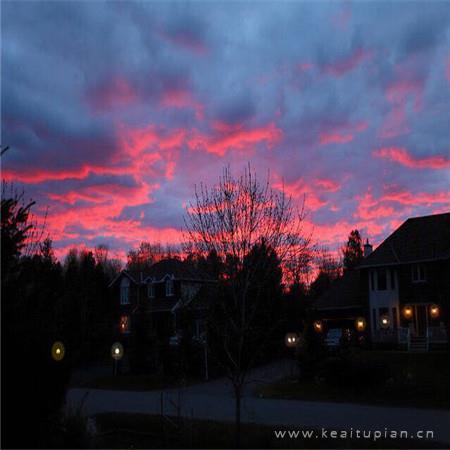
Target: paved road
<point x="214" y="401"/>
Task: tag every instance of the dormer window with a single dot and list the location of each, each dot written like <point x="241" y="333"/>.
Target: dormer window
<point x="169" y="287"/>
<point x="125" y="291"/>
<point x="151" y="289"/>
<point x="418" y="273"/>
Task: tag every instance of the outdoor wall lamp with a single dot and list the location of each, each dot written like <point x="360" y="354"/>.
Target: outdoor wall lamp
<point x="407" y="312"/>
<point x="360" y="324"/>
<point x="434" y="311"/>
<point x="291" y="340"/>
<point x="318" y="326"/>
<point x="384" y="321"/>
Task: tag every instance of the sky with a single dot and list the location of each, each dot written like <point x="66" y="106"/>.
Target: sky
<point x="114" y="111"/>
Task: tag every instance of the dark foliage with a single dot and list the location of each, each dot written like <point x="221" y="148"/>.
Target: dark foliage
<point x="353" y="251"/>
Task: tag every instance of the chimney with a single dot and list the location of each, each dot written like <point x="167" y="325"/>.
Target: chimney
<point x="367" y="248"/>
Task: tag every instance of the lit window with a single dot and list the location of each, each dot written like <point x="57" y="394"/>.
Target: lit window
<point x="418" y="273"/>
<point x="125" y="291"/>
<point x="124" y="324"/>
<point x="169" y="288"/>
<point x="382" y="280"/>
<point x="151" y="290"/>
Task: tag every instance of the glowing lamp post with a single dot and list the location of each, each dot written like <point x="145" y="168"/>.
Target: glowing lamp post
<point x="408" y="312"/>
<point x="384" y="321"/>
<point x="116" y="354"/>
<point x="58" y="351"/>
<point x="434" y="311"/>
<point x="318" y="326"/>
<point x="360" y="324"/>
<point x="291" y="340"/>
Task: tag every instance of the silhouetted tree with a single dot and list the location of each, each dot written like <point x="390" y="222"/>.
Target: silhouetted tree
<point x="33" y="384"/>
<point x="253" y="229"/>
<point x="352" y="251"/>
<point x="329" y="269"/>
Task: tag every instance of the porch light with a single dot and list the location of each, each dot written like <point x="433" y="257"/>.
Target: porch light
<point x="434" y="311"/>
<point x="291" y="340"/>
<point x="58" y="351"/>
<point x="407" y="312"/>
<point x="384" y="321"/>
<point x="318" y="327"/>
<point x="117" y="351"/>
<point x="360" y="324"/>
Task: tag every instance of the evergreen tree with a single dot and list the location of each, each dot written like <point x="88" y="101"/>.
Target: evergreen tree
<point x="352" y="251"/>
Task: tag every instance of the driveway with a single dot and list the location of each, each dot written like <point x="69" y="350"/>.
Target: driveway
<point x="214" y="401"/>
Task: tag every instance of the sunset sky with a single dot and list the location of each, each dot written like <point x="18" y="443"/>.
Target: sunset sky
<point x="113" y="111"/>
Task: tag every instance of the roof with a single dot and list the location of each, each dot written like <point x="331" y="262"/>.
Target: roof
<point x="423" y="238"/>
<point x="180" y="270"/>
<point x="174" y="267"/>
<point x="344" y="292"/>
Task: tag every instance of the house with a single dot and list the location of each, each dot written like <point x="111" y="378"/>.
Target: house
<point x="158" y="307"/>
<point x="401" y="289"/>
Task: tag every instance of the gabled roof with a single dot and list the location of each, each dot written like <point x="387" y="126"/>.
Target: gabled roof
<point x="345" y="292"/>
<point x="171" y="267"/>
<point x="418" y="239"/>
<point x="125" y="273"/>
<point x="180" y="270"/>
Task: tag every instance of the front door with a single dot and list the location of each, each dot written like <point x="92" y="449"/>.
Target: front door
<point x="421" y="320"/>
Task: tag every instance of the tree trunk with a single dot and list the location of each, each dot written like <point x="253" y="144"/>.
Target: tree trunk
<point x="237" y="395"/>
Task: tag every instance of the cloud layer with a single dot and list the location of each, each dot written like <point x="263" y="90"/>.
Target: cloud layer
<point x="114" y="111"/>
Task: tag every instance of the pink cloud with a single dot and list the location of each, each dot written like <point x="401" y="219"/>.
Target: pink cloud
<point x="406" y="88"/>
<point x="402" y="156"/>
<point x="342" y="66"/>
<point x="227" y="137"/>
<point x="341" y="134"/>
<point x="181" y="98"/>
<point x="116" y="92"/>
<point x="327" y="185"/>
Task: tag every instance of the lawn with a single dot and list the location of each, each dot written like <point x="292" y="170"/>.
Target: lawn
<point x="135" y="382"/>
<point x="416" y="380"/>
<point x="120" y="430"/>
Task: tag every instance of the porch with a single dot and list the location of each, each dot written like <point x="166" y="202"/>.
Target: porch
<point x="434" y="338"/>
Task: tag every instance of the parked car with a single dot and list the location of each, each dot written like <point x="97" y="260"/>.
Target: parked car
<point x="333" y="338"/>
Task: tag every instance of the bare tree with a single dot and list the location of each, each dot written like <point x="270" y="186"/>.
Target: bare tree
<point x="254" y="229"/>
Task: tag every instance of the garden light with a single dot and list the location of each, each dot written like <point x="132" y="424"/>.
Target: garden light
<point x="291" y="340"/>
<point x="58" y="351"/>
<point x="384" y="321"/>
<point x="117" y="351"/>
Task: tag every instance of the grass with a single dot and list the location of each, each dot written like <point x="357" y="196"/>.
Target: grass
<point x="124" y="430"/>
<point x="134" y="382"/>
<point x="417" y="380"/>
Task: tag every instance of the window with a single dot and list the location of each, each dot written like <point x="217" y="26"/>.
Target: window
<point x="418" y="273"/>
<point x="125" y="291"/>
<point x="393" y="280"/>
<point x="169" y="287"/>
<point x="151" y="290"/>
<point x="124" y="324"/>
<point x="382" y="280"/>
